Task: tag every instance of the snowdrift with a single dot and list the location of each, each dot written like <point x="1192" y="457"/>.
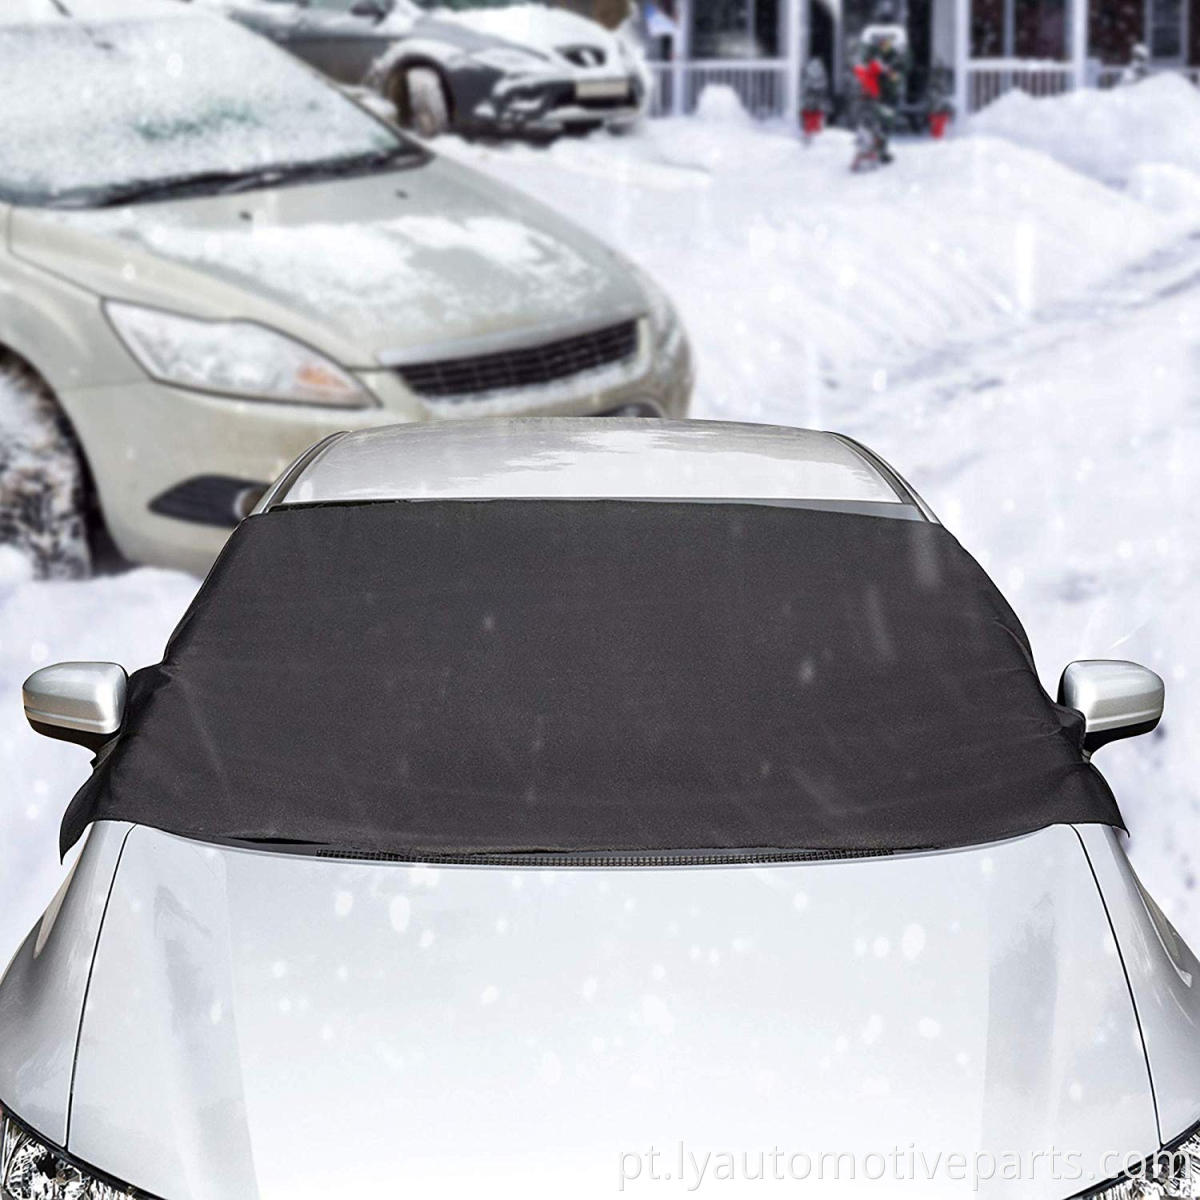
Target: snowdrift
<point x="798" y="280"/>
<point x="1065" y="458"/>
<point x="1105" y="134"/>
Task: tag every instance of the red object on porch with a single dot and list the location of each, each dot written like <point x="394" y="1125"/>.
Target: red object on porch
<point x="938" y="122"/>
<point x="812" y="120"/>
<point x="868" y="75"/>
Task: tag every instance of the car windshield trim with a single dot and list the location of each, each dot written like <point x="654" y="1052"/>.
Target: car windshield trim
<point x="404" y="155"/>
<point x="552" y="859"/>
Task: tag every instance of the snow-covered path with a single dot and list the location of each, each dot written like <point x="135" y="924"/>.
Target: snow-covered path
<point x="1065" y="456"/>
<point x="1022" y="341"/>
<point x="803" y="286"/>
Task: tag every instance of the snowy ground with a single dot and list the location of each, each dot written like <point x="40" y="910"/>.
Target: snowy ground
<point x="1018" y="333"/>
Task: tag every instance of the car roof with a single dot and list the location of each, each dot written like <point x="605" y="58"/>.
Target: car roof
<point x="592" y="458"/>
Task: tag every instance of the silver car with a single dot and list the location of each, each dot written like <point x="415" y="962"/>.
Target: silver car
<point x="492" y="68"/>
<point x="260" y="1013"/>
<point x="212" y="258"/>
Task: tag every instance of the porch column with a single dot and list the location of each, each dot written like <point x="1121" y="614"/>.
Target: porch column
<point x="796" y="28"/>
<point x="1079" y="42"/>
<point x="681" y="53"/>
<point x="962" y="56"/>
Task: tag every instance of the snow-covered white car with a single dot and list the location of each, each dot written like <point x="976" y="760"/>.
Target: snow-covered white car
<point x="471" y="66"/>
<point x="212" y="259"/>
<point x="568" y="807"/>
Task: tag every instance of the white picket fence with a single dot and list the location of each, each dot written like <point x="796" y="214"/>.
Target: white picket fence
<point x="990" y="78"/>
<point x="760" y="84"/>
<point x="1107" y="77"/>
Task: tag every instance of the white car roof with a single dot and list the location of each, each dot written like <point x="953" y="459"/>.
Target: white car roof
<point x="591" y="458"/>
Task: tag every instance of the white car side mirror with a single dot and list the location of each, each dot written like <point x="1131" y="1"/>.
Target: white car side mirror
<point x="1118" y="699"/>
<point x="81" y="702"/>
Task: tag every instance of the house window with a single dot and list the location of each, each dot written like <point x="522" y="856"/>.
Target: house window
<point x="1164" y="28"/>
<point x="989" y="28"/>
<point x="1020" y="28"/>
<point x="1040" y="28"/>
<point x="736" y="29"/>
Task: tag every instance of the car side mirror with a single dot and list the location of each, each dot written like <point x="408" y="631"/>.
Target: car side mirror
<point x="80" y="702"/>
<point x="1118" y="699"/>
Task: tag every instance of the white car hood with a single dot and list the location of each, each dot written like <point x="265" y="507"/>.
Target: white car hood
<point x="361" y="267"/>
<point x="535" y="26"/>
<point x="275" y="1026"/>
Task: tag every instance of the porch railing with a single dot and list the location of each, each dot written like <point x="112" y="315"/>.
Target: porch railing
<point x="760" y="84"/>
<point x="990" y="78"/>
<point x="1108" y="77"/>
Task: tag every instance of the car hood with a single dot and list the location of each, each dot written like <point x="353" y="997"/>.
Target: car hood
<point x="406" y="261"/>
<point x="271" y="1025"/>
<point x="534" y="26"/>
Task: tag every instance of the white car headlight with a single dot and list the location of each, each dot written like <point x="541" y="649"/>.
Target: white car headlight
<point x="233" y="358"/>
<point x="31" y="1170"/>
<point x="509" y="60"/>
<point x="1172" y="1174"/>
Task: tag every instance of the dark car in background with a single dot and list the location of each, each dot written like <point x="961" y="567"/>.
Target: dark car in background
<point x="511" y="69"/>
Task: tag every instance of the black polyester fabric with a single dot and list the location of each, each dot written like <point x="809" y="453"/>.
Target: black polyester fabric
<point x="519" y="676"/>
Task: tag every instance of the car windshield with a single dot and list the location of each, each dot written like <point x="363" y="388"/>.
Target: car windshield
<point x="125" y="110"/>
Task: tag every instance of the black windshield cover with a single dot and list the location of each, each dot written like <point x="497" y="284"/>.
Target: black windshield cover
<point x="509" y="677"/>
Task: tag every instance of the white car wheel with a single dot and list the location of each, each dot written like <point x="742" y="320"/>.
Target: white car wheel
<point x="41" y="480"/>
<point x="428" y="109"/>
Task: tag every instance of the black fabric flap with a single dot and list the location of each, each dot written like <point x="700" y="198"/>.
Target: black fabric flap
<point x="521" y="676"/>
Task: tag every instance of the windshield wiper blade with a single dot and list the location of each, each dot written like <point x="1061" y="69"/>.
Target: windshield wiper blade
<point x="172" y="185"/>
<point x="226" y="182"/>
<point x="326" y="167"/>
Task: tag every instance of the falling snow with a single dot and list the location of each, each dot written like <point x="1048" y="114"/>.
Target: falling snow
<point x="1016" y="329"/>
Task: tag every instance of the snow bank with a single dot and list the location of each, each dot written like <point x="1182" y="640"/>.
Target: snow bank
<point x="1065" y="459"/>
<point x="825" y="280"/>
<point x="1168" y="188"/>
<point x="40" y="480"/>
<point x="1105" y="134"/>
<point x="719" y="102"/>
<point x="125" y="619"/>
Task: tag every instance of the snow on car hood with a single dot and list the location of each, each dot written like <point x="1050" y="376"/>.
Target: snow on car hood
<point x="358" y="267"/>
<point x="535" y="26"/>
<point x="272" y="1025"/>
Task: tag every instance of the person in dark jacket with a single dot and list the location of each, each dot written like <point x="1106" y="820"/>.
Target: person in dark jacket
<point x="883" y="60"/>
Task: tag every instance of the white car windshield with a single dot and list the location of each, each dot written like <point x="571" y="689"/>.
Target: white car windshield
<point x="118" y="111"/>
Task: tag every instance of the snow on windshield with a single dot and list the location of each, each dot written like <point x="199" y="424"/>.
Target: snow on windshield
<point x="178" y="95"/>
